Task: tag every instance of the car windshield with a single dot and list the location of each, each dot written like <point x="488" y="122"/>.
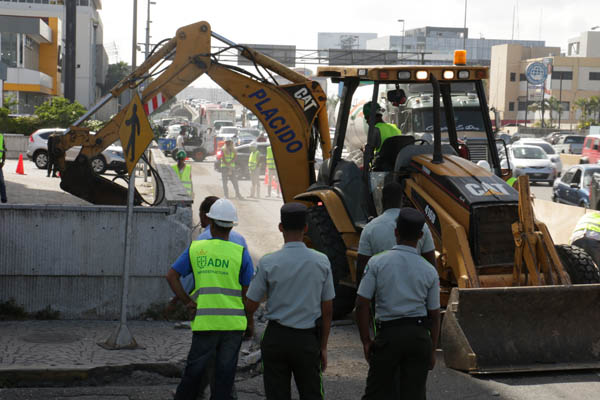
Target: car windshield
<point x="229" y="129"/>
<point x="467" y="119"/>
<point x="589" y="174"/>
<point x="546" y="146"/>
<point x="530" y="153"/>
<point x="574" y="139"/>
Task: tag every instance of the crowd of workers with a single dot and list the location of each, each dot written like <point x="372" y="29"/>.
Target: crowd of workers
<point x="216" y="279"/>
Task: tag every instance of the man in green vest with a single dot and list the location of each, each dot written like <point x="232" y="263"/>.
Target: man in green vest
<point x="253" y="162"/>
<point x="228" y="170"/>
<point x="222" y="272"/>
<point x="587" y="234"/>
<point x="383" y="130"/>
<point x="3" y="151"/>
<point x="272" y="171"/>
<point x="184" y="172"/>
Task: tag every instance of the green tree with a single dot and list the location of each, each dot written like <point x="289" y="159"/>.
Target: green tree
<point x="59" y="112"/>
<point x="594" y="105"/>
<point x="583" y="104"/>
<point x="115" y="73"/>
<point x="554" y="106"/>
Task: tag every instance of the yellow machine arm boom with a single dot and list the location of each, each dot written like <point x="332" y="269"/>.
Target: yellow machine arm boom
<point x="293" y="115"/>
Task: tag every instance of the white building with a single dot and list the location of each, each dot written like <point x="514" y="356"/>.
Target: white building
<point x="587" y="44"/>
<point x="31" y="83"/>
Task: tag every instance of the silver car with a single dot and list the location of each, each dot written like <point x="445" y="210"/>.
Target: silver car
<point x="37" y="151"/>
<point x="531" y="161"/>
<point x="552" y="155"/>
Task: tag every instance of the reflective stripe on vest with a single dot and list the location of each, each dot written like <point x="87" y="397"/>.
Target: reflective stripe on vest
<point x="216" y="265"/>
<point x="253" y="160"/>
<point x="185" y="177"/>
<point x="1" y="145"/>
<point x="511" y="181"/>
<point x="227" y="160"/>
<point x="386" y="131"/>
<point x="589" y="222"/>
<point x="270" y="159"/>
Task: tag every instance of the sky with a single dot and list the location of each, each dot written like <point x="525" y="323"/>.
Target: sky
<point x="298" y="22"/>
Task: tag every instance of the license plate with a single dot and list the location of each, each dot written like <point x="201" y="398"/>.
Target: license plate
<point x="538" y="175"/>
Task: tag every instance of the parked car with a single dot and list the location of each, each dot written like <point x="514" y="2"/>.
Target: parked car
<point x="241" y="163"/>
<point x="555" y="158"/>
<point x="570" y="144"/>
<point x="591" y="151"/>
<point x="531" y="161"/>
<point x="37" y="151"/>
<point x="575" y="186"/>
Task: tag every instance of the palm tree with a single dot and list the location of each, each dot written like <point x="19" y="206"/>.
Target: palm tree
<point x="595" y="108"/>
<point x="583" y="104"/>
<point x="553" y="105"/>
<point x="534" y="108"/>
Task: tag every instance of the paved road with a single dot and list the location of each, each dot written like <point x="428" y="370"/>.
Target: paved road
<point x="345" y="377"/>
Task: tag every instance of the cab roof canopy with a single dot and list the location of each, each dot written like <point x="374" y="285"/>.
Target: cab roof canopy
<point x="405" y="73"/>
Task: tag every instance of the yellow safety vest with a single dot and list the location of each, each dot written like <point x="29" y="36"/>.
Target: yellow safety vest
<point x="185" y="177"/>
<point x="511" y="181"/>
<point x="1" y="145"/>
<point x="588" y="225"/>
<point x="216" y="265"/>
<point x="386" y="131"/>
<point x="227" y="160"/>
<point x="270" y="159"/>
<point x="253" y="160"/>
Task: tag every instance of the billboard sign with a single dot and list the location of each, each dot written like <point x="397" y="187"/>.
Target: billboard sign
<point x="536" y="73"/>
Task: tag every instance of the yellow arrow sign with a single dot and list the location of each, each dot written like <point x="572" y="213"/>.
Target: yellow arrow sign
<point x="135" y="133"/>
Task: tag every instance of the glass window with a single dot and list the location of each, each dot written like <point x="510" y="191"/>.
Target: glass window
<point x="8" y="48"/>
<point x="594" y="76"/>
<point x="574" y="139"/>
<point x="568" y="176"/>
<point x="588" y="176"/>
<point x="522" y="106"/>
<point x="545" y="146"/>
<point x="467" y="119"/>
<point x="513" y="76"/>
<point x="564" y="75"/>
<point x="511" y="106"/>
<point x="522" y="78"/>
<point x="588" y="143"/>
<point x="529" y="153"/>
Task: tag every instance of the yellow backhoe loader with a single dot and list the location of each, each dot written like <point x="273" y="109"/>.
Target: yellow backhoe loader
<point x="511" y="305"/>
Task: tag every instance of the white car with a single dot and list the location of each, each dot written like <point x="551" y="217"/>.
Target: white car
<point x="37" y="151"/>
<point x="547" y="147"/>
<point x="531" y="161"/>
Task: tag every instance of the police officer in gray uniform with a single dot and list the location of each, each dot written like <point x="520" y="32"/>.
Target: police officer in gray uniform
<point x="298" y="284"/>
<point x="407" y="306"/>
<point x="378" y="234"/>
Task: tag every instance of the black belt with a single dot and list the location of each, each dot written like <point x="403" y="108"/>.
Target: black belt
<point x="276" y="324"/>
<point x="412" y="321"/>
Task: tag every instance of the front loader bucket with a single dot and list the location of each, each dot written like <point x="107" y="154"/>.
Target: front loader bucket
<point x="517" y="329"/>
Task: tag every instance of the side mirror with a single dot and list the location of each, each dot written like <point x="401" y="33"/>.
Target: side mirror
<point x="574" y="185"/>
<point x="595" y="147"/>
<point x="396" y="97"/>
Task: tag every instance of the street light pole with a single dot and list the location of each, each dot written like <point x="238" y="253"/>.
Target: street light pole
<point x="465" y="28"/>
<point x="147" y="50"/>
<point x="402" y="47"/>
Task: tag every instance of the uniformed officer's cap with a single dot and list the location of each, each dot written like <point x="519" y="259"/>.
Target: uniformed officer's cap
<point x="409" y="223"/>
<point x="293" y="216"/>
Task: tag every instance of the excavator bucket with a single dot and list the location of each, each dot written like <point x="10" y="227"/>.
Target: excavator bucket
<point x="518" y="329"/>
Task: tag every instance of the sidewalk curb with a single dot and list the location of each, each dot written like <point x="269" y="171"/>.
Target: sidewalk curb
<point x="48" y="377"/>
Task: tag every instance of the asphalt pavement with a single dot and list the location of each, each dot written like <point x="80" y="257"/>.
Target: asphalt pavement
<point x="65" y="355"/>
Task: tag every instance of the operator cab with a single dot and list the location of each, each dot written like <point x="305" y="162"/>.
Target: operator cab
<point x="359" y="178"/>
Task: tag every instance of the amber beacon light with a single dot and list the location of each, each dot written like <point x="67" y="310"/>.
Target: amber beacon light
<point x="460" y="57"/>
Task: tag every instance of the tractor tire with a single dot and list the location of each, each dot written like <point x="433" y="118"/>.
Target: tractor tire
<point x="578" y="263"/>
<point x="326" y="239"/>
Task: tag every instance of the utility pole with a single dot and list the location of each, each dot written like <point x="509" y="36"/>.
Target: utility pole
<point x="402" y="47"/>
<point x="134" y="40"/>
<point x="70" y="49"/>
<point x="147" y="50"/>
<point x="465" y="28"/>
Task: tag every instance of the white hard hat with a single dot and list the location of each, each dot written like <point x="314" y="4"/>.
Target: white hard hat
<point x="484" y="164"/>
<point x="223" y="212"/>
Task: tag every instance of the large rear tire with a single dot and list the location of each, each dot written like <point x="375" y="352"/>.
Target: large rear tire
<point x="326" y="239"/>
<point x="578" y="263"/>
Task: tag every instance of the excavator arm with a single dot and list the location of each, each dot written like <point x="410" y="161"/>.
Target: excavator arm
<point x="294" y="115"/>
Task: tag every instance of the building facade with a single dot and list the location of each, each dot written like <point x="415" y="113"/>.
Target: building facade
<point x="436" y="45"/>
<point x="587" y="44"/>
<point x="32" y="42"/>
<point x="569" y="79"/>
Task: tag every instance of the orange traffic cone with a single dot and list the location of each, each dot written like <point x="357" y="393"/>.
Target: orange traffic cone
<point x="266" y="176"/>
<point x="20" y="168"/>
